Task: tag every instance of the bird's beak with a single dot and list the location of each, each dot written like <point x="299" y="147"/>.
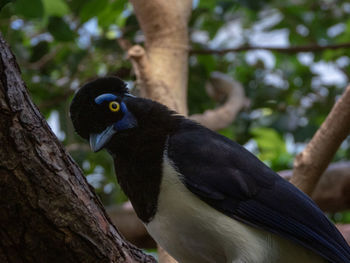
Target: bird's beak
<point x="99" y="140"/>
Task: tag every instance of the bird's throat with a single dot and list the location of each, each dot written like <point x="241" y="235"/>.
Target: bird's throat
<point x="138" y="166"/>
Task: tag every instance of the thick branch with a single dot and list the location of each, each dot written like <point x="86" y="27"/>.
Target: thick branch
<point x="165" y="77"/>
<point x="222" y="88"/>
<point x="143" y="73"/>
<point x="312" y="162"/>
<point x="287" y="50"/>
<point x="345" y="230"/>
<point x="48" y="211"/>
<point x="332" y="190"/>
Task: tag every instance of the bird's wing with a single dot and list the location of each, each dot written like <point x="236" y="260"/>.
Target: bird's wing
<point x="233" y="181"/>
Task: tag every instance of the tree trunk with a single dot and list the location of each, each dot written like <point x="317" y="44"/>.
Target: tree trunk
<point x="162" y="69"/>
<point x="48" y="212"/>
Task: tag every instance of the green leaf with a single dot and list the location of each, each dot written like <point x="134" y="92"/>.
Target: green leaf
<point x="251" y="4"/>
<point x="212" y="26"/>
<point x="210" y="4"/>
<point x="55" y="7"/>
<point x="228" y="132"/>
<point x="39" y="50"/>
<point x="29" y="9"/>
<point x="208" y="62"/>
<point x="3" y="3"/>
<point x="92" y="8"/>
<point x="270" y="143"/>
<point x="112" y="14"/>
<point x="59" y="29"/>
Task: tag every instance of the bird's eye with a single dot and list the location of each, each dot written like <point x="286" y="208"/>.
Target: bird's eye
<point x="114" y="106"/>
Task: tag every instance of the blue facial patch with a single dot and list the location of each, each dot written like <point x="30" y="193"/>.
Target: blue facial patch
<point x="123" y="108"/>
<point x="128" y="121"/>
<point x="105" y="97"/>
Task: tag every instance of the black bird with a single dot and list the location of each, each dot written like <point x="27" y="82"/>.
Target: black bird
<point x="201" y="196"/>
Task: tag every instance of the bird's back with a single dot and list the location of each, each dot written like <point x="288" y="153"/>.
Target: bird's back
<point x="233" y="181"/>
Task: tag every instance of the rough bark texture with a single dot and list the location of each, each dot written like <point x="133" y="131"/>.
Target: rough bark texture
<point x="313" y="161"/>
<point x="162" y="69"/>
<point x="48" y="211"/>
<point x="221" y="88"/>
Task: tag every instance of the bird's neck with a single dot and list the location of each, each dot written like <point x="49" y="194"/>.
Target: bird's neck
<point x="139" y="173"/>
<point x="138" y="158"/>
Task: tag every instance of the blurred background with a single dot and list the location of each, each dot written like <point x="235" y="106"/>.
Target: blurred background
<point x="61" y="44"/>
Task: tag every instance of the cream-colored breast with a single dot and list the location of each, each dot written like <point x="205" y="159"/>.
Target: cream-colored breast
<point x="192" y="231"/>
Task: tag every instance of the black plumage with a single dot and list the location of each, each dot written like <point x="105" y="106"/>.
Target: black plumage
<point x="137" y="152"/>
<point x="220" y="172"/>
<point x="87" y="116"/>
<point x="232" y="180"/>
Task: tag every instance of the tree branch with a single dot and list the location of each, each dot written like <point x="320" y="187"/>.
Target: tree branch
<point x="313" y="161"/>
<point x="166" y="44"/>
<point x="331" y="193"/>
<point x="287" y="50"/>
<point x="345" y="231"/>
<point x="142" y="68"/>
<point x="222" y="87"/>
<point x="48" y="211"/>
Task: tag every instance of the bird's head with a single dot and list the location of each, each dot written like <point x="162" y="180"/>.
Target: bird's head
<point x="99" y="111"/>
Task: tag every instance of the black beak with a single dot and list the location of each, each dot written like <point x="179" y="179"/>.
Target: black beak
<point x="99" y="140"/>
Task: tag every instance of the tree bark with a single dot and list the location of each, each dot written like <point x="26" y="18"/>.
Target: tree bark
<point x="162" y="69"/>
<point x="314" y="159"/>
<point x="331" y="193"/>
<point x="345" y="230"/>
<point x="48" y="211"/>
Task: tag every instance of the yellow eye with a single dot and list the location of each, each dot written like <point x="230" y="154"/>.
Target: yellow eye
<point x="114" y="106"/>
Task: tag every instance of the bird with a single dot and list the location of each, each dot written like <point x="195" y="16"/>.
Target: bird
<point x="203" y="197"/>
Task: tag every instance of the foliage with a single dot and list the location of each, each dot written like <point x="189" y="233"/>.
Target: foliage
<point x="61" y="44"/>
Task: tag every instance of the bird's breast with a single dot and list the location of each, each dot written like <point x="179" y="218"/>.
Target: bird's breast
<point x="138" y="166"/>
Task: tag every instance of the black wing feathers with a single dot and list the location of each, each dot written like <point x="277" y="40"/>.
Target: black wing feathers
<point x="233" y="181"/>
